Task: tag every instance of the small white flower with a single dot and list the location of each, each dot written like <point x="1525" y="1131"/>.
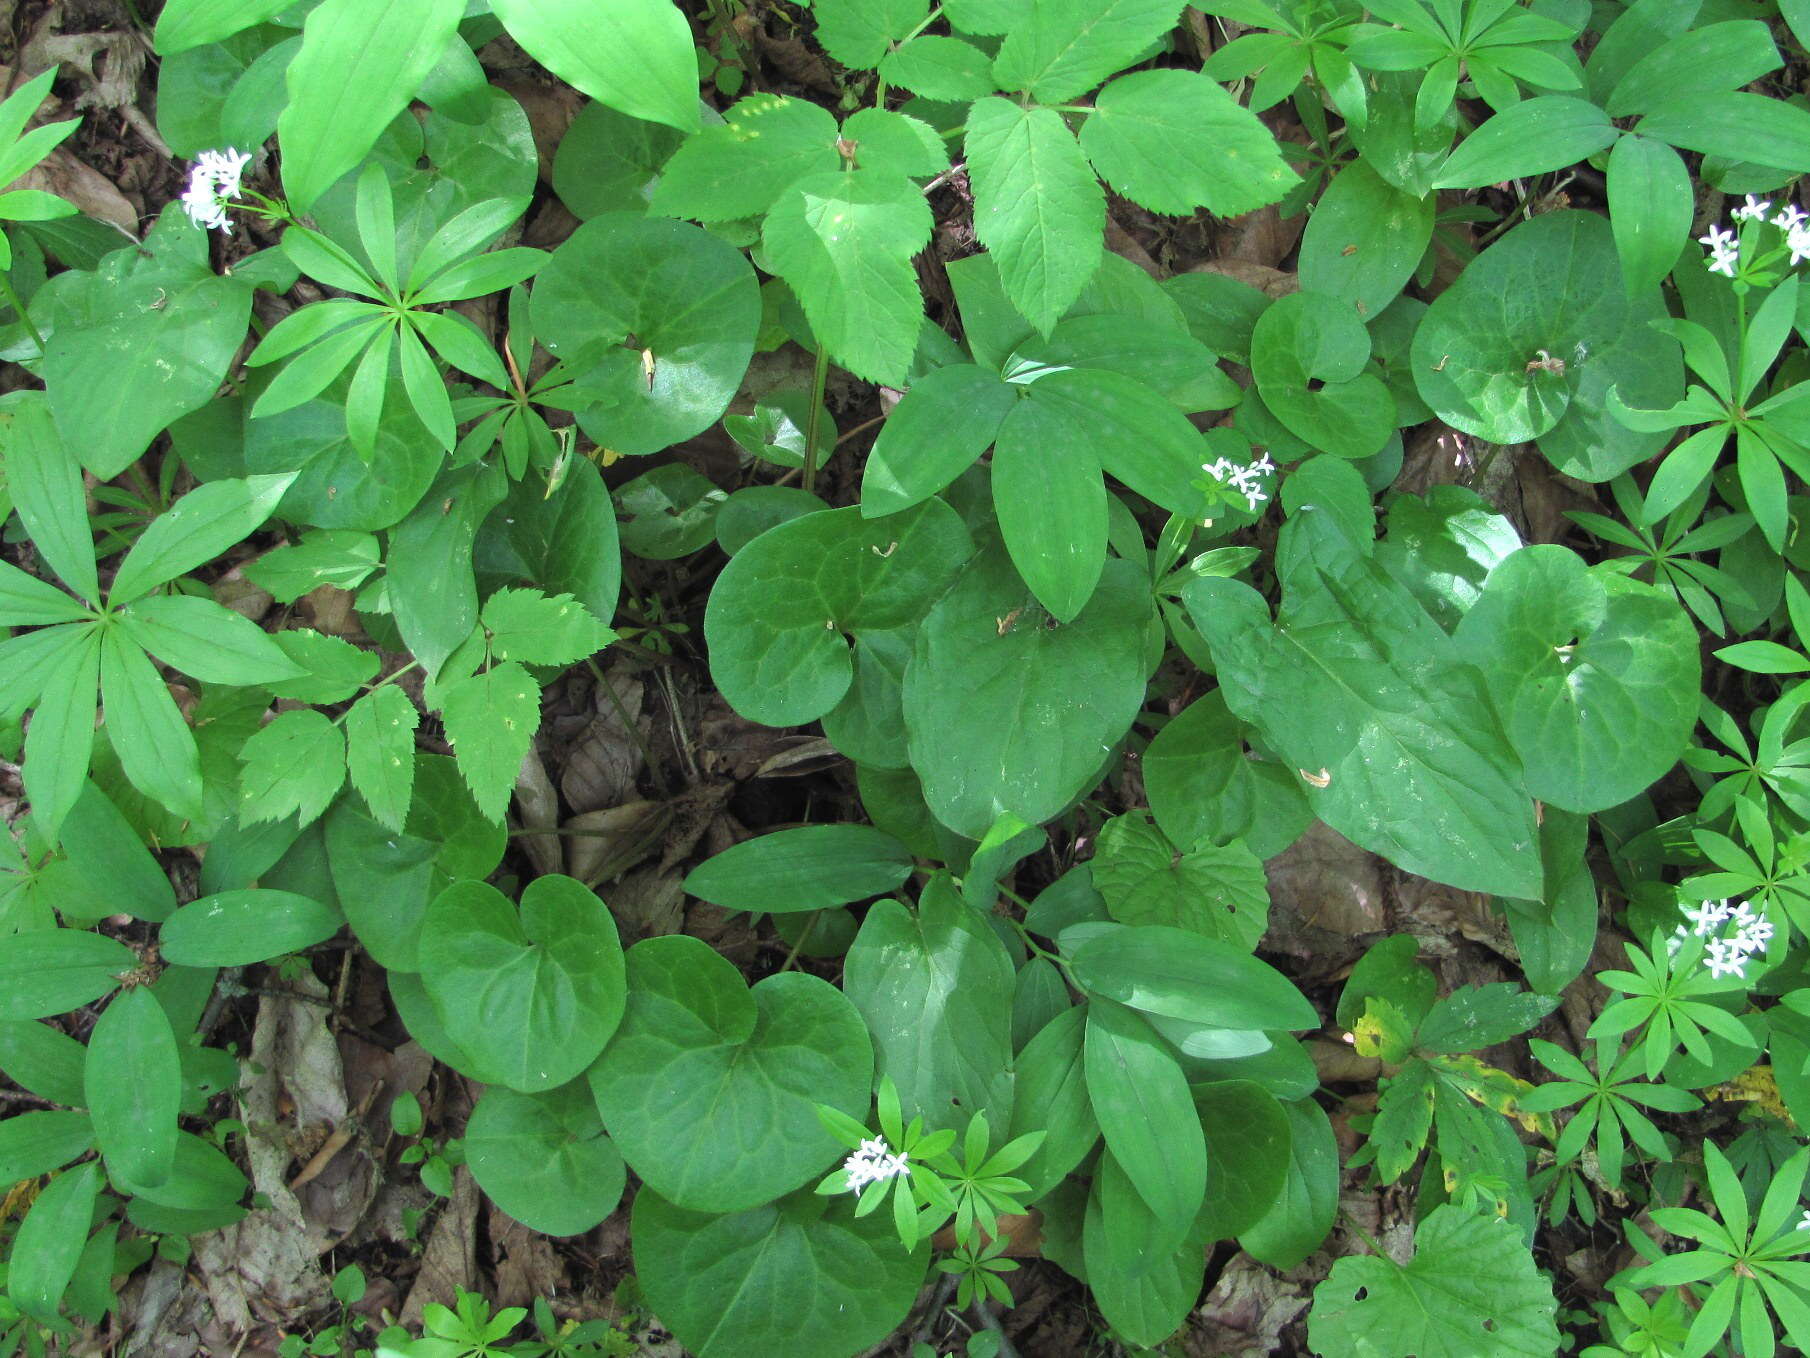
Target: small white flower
<point x="873" y="1162"/>
<point x="214" y="179"/>
<point x="1719" y="238"/>
<point x="1790" y="217"/>
<point x="1797" y="240"/>
<point x="1753" y="210"/>
<point x="1726" y="959"/>
<point x="1754" y="935"/>
<point x="1804" y="1221"/>
<point x="1724" y="262"/>
<point x="1708" y="917"/>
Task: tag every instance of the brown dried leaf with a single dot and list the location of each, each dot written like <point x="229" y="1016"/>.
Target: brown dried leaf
<point x="609" y="843"/>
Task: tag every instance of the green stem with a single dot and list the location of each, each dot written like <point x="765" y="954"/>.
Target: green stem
<point x="804" y="935"/>
<point x="17" y="303"/>
<point x="820" y="376"/>
<point x="375" y="684"/>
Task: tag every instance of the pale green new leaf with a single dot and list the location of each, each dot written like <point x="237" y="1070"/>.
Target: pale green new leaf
<point x="183" y="24"/>
<point x="380" y="752"/>
<point x="1471" y="1288"/>
<point x="292" y="767"/>
<point x="844" y="241"/>
<point x="491" y="719"/>
<point x="1037" y="206"/>
<point x="540" y="629"/>
<point x="1069" y="46"/>
<point x="634" y="55"/>
<point x="1175" y="141"/>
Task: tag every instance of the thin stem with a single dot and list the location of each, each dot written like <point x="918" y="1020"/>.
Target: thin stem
<point x="820" y="376"/>
<point x="17" y="303"/>
<point x="804" y="935"/>
<point x="628" y="724"/>
<point x="378" y="683"/>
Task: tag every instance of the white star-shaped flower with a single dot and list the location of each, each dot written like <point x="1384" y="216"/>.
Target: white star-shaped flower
<point x="1725" y="959"/>
<point x="1790" y="217"/>
<point x="1707" y="917"/>
<point x="1753" y="210"/>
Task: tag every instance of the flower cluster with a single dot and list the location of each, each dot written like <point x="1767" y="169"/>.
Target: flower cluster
<point x="1241" y="479"/>
<point x="1725" y="956"/>
<point x="871" y="1163"/>
<point x="212" y="183"/>
<point x="1724" y="245"/>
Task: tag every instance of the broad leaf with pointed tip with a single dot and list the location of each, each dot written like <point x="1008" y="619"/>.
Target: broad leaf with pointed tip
<point x="710" y="1089"/>
<point x="1007" y="711"/>
<point x="1358" y="689"/>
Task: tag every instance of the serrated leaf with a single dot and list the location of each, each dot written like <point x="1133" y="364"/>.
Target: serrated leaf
<point x="939" y="67"/>
<point x="1037" y="206"/>
<point x="740" y="167"/>
<point x="292" y="767"/>
<point x="380" y="752"/>
<point x="1066" y="47"/>
<point x="1175" y="141"/>
<point x="857" y="33"/>
<point x="1470" y="1288"/>
<point x="844" y="241"/>
<point x="491" y="719"/>
<point x="541" y="629"/>
<point x="1217" y="892"/>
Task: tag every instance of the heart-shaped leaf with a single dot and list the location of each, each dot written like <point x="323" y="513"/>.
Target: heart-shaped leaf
<point x="776" y="616"/>
<point x="710" y="1089"/>
<point x="1309" y="354"/>
<point x="798" y="1276"/>
<point x="532" y="995"/>
<point x="658" y="318"/>
<point x="1596" y="675"/>
<point x="1529" y="340"/>
<point x="1008" y="712"/>
<point x="543" y="1158"/>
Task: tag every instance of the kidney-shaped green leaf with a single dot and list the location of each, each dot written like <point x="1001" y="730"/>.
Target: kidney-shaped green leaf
<point x="1596" y="675"/>
<point x="798" y="1276"/>
<point x="532" y="995"/>
<point x="543" y="1158"/>
<point x="1528" y="341"/>
<point x="710" y="1089"/>
<point x="657" y="318"/>
<point x="1309" y="353"/>
<point x="777" y="613"/>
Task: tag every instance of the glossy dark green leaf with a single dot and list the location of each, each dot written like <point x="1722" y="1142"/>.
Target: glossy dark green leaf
<point x="1308" y="1203"/>
<point x="1248" y="1138"/>
<point x="1309" y="353"/>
